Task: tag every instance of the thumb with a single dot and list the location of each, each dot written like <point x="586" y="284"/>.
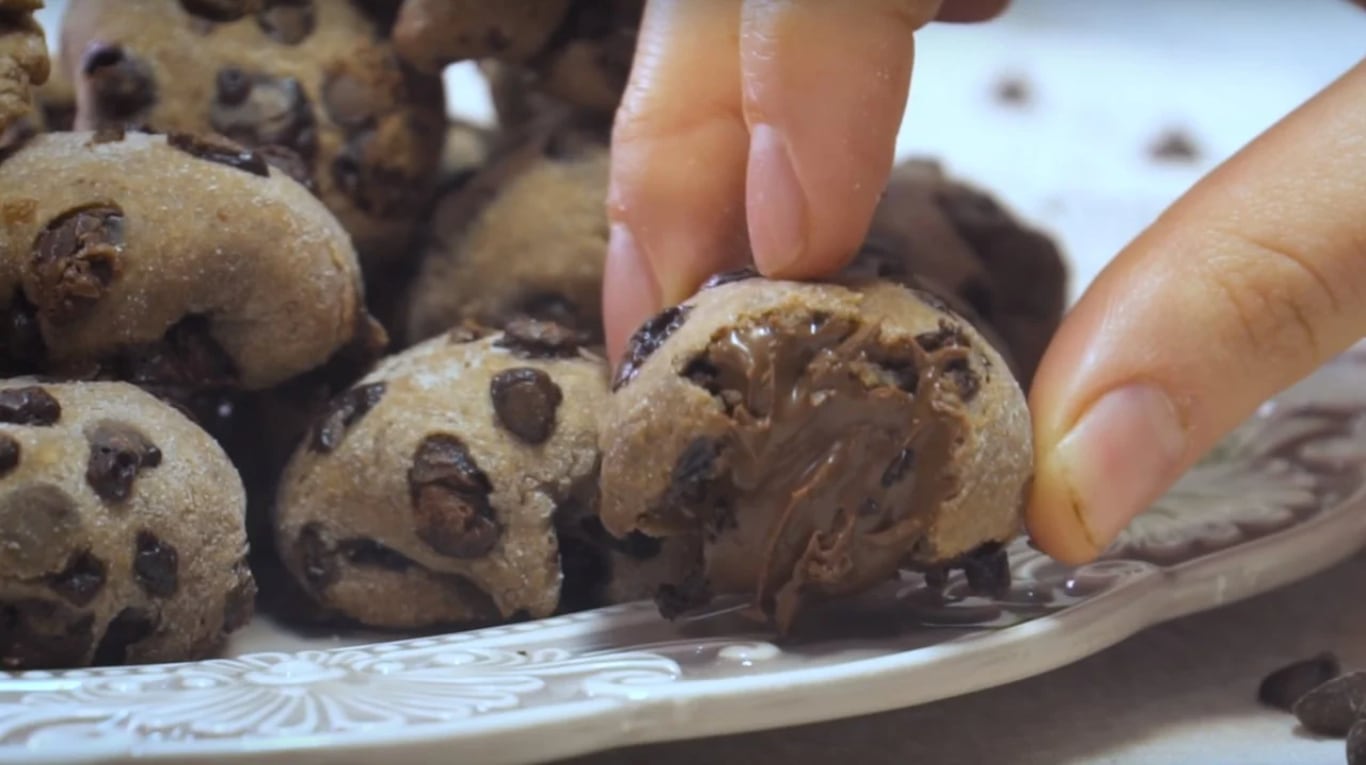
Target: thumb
<point x="1247" y="284"/>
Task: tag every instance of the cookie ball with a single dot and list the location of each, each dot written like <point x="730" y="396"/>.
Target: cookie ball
<point x="816" y="437"/>
<point x="1008" y="277"/>
<point x="426" y="493"/>
<point x="174" y="261"/>
<point x="310" y="84"/>
<point x="121" y="536"/>
<point x="526" y="236"/>
<point x="24" y="61"/>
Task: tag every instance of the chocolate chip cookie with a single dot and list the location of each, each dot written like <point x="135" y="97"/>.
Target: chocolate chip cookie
<point x="168" y="260"/>
<point x="1006" y="276"/>
<point x="526" y="236"/>
<point x="311" y="85"/>
<point x="816" y="437"/>
<point x="121" y="536"/>
<point x="426" y="493"/>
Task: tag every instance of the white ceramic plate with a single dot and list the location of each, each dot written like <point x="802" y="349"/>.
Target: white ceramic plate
<point x="1283" y="497"/>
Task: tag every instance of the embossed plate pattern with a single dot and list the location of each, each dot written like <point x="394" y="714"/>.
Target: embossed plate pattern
<point x="1282" y="497"/>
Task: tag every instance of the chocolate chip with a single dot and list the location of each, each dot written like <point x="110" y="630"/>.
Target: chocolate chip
<point x="187" y="356"/>
<point x="219" y="10"/>
<point x="694" y="470"/>
<point x="74" y="260"/>
<point x="729" y="277"/>
<point x="10" y="452"/>
<point x="450" y="498"/>
<point x="964" y="378"/>
<point x="1331" y="708"/>
<point x="343" y="412"/>
<point x="988" y="570"/>
<point x="220" y="151"/>
<point x="899" y="468"/>
<point x="240" y="602"/>
<point x="132" y="625"/>
<point x="118" y="452"/>
<point x="81" y="580"/>
<point x="351" y="101"/>
<point x="122" y="86"/>
<point x="258" y="110"/>
<point x="533" y="339"/>
<point x="1356" y="743"/>
<point x="316" y="556"/>
<point x="156" y="565"/>
<point x="289" y="162"/>
<point x="288" y="22"/>
<point x="1283" y="687"/>
<point x="29" y="405"/>
<point x="675" y="600"/>
<point x="646" y="340"/>
<point x="42" y="634"/>
<point x="368" y="552"/>
<point x="525" y="401"/>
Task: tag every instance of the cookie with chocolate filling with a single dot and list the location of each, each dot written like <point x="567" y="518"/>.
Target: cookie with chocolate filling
<point x="309" y="84"/>
<point x="121" y="530"/>
<point x="426" y="494"/>
<point x="1005" y="275"/>
<point x="526" y="236"/>
<point x="816" y="437"/>
<point x="176" y="262"/>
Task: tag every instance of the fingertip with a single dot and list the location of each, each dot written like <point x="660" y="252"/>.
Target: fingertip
<point x="970" y="11"/>
<point x="630" y="294"/>
<point x="1054" y="520"/>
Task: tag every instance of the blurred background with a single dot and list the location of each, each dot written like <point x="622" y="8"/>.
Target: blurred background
<point x="1091" y="117"/>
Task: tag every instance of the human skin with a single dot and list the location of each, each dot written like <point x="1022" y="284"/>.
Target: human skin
<point x="1249" y="282"/>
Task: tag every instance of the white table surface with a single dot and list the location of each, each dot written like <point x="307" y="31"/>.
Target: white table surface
<point x="1106" y="78"/>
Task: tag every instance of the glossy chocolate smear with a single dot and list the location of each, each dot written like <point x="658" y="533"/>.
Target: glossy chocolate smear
<point x="836" y="446"/>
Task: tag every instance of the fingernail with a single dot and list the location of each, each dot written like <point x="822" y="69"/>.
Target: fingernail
<point x="777" y="206"/>
<point x="1120" y="457"/>
<point x="630" y="294"/>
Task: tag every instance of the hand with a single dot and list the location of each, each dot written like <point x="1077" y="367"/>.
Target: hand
<point x="1247" y="284"/>
<point x="774" y="116"/>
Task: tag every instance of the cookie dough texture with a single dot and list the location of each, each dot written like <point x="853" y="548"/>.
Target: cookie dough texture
<point x="23" y="60"/>
<point x="426" y="493"/>
<point x="816" y="437"/>
<point x="121" y="530"/>
<point x="169" y="260"/>
<point x="526" y="236"/>
<point x="1009" y="278"/>
<point x="312" y="84"/>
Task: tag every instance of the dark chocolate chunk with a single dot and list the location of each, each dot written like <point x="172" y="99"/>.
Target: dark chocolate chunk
<point x="81" y="580"/>
<point x="675" y="600"/>
<point x="156" y="565"/>
<point x="647" y="340"/>
<point x="132" y="625"/>
<point x="899" y="468"/>
<point x="240" y="602"/>
<point x="988" y="570"/>
<point x="42" y="634"/>
<point x="220" y="151"/>
<point x="288" y="22"/>
<point x="729" y="277"/>
<point x="1356" y="743"/>
<point x="450" y="499"/>
<point x="10" y="453"/>
<point x="118" y="452"/>
<point x="29" y="405"/>
<point x="533" y="339"/>
<point x="316" y="556"/>
<point x="74" y="260"/>
<point x="368" y="552"/>
<point x="219" y="10"/>
<point x="525" y="401"/>
<point x="187" y="357"/>
<point x="122" y="86"/>
<point x="1282" y="688"/>
<point x="343" y="412"/>
<point x="964" y="378"/>
<point x="259" y="110"/>
<point x="1331" y="708"/>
